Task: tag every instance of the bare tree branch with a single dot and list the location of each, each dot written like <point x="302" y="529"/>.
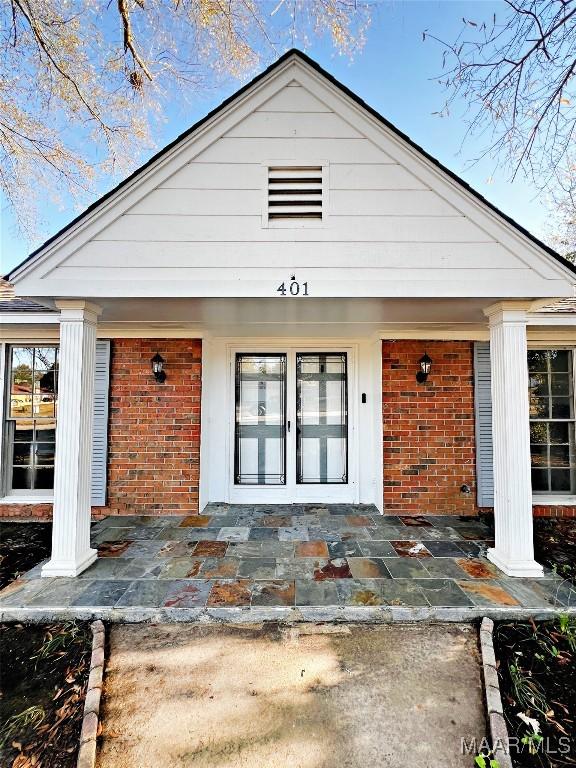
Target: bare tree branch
<point x="517" y="76"/>
<point x="82" y="84"/>
<point x="129" y="38"/>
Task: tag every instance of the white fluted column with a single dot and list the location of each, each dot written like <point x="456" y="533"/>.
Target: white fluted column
<point x="513" y="552"/>
<point x="71" y="552"/>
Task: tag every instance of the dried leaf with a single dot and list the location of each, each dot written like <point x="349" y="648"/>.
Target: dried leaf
<point x="557" y="725"/>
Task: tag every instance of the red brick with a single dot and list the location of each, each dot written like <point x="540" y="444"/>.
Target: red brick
<point x="429" y="438"/>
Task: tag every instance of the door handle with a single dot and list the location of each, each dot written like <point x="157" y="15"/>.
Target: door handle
<point x="288" y="426"/>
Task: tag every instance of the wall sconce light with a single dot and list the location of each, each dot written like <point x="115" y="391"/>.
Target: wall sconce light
<point x="158" y="368"/>
<point x="425" y="364"/>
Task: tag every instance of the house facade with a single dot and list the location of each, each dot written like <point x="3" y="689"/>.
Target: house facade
<point x="291" y="303"/>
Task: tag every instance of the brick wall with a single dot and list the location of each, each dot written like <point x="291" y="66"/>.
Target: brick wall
<point x="26" y="511"/>
<point x="154" y="429"/>
<point x="428" y="428"/>
<point x="553" y="510"/>
<point x="154" y="432"/>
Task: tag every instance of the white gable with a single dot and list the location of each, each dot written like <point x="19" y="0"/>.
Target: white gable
<point x="195" y="223"/>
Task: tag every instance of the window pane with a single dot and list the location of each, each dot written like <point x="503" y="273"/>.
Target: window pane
<point x="559" y="432"/>
<point x="561" y="408"/>
<point x="538" y="384"/>
<point x="45" y="453"/>
<point x="44" y="478"/>
<point x="20" y="400"/>
<point x="540" y="480"/>
<point x="21" y="381"/>
<point x="24" y="432"/>
<point x="45" y="359"/>
<point x="539" y="432"/>
<point x="22" y="478"/>
<point x="560" y="360"/>
<point x="559" y="456"/>
<point x="46" y="431"/>
<point x="45" y="381"/>
<point x="560" y="479"/>
<point x="560" y="384"/>
<point x="44" y="406"/>
<point x="537" y="360"/>
<point x="539" y="455"/>
<point x="22" y="453"/>
<point x="539" y="407"/>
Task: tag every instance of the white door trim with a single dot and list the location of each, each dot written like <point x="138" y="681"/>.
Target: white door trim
<point x="217" y="417"/>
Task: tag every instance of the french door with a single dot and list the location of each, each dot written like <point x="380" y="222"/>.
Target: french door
<point x="291" y="426"/>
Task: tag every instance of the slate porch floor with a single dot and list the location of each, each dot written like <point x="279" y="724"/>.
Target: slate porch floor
<point x="288" y="561"/>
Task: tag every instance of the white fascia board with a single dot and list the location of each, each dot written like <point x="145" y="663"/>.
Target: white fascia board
<point x="334" y="289"/>
<point x="29" y="318"/>
<point x="552" y="319"/>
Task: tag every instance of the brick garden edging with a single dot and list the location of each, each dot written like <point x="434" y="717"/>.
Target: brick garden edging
<point x="498" y="729"/>
<point x="89" y="732"/>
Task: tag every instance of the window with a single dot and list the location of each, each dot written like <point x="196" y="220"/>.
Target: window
<point x="295" y="192"/>
<point x="551" y="394"/>
<point x="30" y="418"/>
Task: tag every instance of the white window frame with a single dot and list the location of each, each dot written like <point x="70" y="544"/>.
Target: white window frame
<point x="7" y="494"/>
<point x="556" y="498"/>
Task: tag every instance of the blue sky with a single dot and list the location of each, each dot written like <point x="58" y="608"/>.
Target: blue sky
<point x="394" y="73"/>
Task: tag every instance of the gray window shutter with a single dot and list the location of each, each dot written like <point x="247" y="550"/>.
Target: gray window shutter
<point x="100" y="424"/>
<point x="483" y="412"/>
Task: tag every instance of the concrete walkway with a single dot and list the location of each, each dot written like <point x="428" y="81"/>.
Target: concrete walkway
<point x="310" y="696"/>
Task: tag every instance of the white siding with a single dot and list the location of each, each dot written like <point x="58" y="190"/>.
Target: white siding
<point x="113" y="254"/>
<point x="388" y="228"/>
<point x="214" y="227"/>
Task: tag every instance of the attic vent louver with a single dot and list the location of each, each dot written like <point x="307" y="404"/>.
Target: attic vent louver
<point x="295" y="192"/>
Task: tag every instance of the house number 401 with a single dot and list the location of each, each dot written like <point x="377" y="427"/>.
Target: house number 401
<point x="294" y="288"/>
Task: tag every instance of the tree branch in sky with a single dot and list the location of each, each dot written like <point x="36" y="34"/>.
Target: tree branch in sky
<point x="517" y="76"/>
<point x="83" y="82"/>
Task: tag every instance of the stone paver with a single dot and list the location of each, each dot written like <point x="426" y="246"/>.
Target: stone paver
<point x="332" y="558"/>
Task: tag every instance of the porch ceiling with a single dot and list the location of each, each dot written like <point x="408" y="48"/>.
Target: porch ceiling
<point x="285" y="316"/>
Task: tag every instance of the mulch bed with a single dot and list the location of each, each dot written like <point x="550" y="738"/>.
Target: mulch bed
<point x="537" y="671"/>
<point x="555" y="545"/>
<point x="22" y="546"/>
<point x="44" y="674"/>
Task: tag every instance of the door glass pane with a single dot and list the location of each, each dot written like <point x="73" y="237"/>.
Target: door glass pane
<point x="321" y="418"/>
<point x="260" y="434"/>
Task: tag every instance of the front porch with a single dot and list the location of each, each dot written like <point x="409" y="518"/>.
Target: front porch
<point x="435" y="452"/>
<point x="290" y="562"/>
